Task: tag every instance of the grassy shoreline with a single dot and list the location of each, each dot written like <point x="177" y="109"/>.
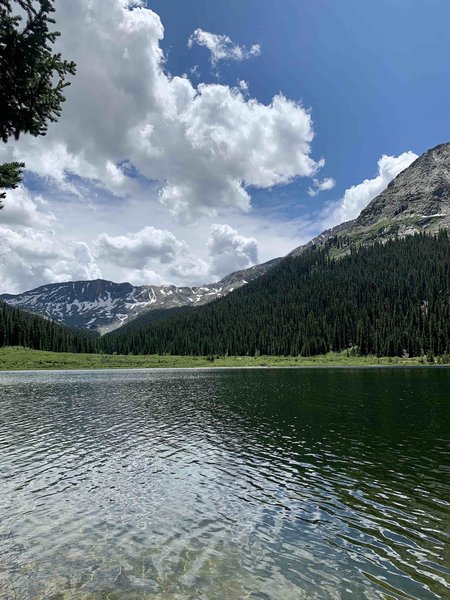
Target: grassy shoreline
<point x="24" y="359"/>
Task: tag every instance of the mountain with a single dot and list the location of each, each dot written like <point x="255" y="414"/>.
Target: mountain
<point x="102" y="306"/>
<point x="417" y="200"/>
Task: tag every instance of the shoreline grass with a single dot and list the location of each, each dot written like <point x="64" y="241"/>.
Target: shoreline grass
<point x="24" y="359"/>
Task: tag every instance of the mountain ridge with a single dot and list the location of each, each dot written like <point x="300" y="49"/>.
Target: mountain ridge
<point x="103" y="305"/>
<point x="416" y="200"/>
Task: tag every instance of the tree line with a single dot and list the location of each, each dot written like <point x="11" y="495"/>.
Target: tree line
<point x="21" y="328"/>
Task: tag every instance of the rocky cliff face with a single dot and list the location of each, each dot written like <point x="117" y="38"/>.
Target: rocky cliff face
<point x="417" y="200"/>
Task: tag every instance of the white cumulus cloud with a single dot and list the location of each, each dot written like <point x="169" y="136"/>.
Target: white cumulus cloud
<point x="32" y="257"/>
<point x="138" y="250"/>
<point x="204" y="145"/>
<point x="222" y="47"/>
<point x="24" y="209"/>
<point x="32" y="252"/>
<point x="243" y="85"/>
<point x="151" y="256"/>
<point x="321" y="186"/>
<point x="229" y="251"/>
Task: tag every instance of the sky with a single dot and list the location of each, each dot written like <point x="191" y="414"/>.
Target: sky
<point x="201" y="137"/>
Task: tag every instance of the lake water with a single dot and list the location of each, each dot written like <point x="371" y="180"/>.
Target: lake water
<point x="266" y="484"/>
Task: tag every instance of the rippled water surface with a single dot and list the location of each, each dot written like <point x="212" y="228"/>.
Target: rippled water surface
<point x="270" y="484"/>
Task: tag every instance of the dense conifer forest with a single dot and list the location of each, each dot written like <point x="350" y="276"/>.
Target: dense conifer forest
<point x="153" y="316"/>
<point x="21" y="328"/>
<point x="388" y="299"/>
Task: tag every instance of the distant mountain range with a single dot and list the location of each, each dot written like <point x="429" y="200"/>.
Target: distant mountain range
<point x="103" y="306"/>
<point x="417" y="200"/>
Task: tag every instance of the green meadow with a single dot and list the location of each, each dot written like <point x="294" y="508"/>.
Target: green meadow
<point x="17" y="358"/>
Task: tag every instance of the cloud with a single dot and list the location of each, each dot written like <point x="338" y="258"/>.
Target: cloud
<point x="138" y="253"/>
<point x="25" y="210"/>
<point x="229" y="251"/>
<point x="205" y="145"/>
<point x="32" y="257"/>
<point x="189" y="270"/>
<point x="83" y="266"/>
<point x="34" y="247"/>
<point x="321" y="185"/>
<point x="222" y="47"/>
<point x="358" y="196"/>
<point x="243" y="86"/>
<point x="228" y="144"/>
<point x="144" y="277"/>
<point x="195" y="71"/>
<point x="139" y="249"/>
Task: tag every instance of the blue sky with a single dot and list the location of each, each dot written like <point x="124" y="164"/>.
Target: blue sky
<point x="375" y="73"/>
<point x="174" y="163"/>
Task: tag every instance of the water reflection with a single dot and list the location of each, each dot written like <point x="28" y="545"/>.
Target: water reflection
<point x="225" y="484"/>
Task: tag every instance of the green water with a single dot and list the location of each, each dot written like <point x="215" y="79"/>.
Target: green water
<point x="268" y="484"/>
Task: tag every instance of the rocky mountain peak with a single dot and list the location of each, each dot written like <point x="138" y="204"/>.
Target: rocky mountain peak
<point x="417" y="200"/>
<point x="419" y="193"/>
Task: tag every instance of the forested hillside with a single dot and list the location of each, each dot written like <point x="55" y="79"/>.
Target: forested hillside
<point x="152" y="316"/>
<point x="20" y="328"/>
<point x="386" y="299"/>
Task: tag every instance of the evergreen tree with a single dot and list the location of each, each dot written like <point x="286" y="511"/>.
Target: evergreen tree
<point x="32" y="77"/>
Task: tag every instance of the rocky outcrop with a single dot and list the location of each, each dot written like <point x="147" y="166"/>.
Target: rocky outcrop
<point x="417" y="200"/>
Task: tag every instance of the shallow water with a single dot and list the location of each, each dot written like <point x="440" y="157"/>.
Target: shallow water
<point x="269" y="484"/>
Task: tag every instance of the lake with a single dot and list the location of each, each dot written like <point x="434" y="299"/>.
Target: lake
<point x="225" y="484"/>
